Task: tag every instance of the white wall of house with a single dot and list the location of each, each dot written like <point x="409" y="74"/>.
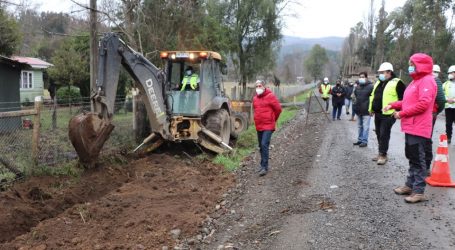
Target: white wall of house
<point x="28" y="94"/>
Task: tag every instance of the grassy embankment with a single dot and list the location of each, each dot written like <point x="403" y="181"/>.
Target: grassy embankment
<point x="247" y="141"/>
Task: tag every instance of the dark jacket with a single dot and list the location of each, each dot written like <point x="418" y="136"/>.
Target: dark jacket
<point x="440" y="98"/>
<point x="377" y="99"/>
<point x="267" y="109"/>
<point x="338" y="100"/>
<point x="349" y="88"/>
<point x="362" y="98"/>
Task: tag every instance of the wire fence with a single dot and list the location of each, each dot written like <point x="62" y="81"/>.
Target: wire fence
<point x="54" y="148"/>
<point x="284" y="91"/>
<point x="26" y="144"/>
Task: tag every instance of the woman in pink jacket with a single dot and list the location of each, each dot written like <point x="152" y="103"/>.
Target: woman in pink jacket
<point x="415" y="112"/>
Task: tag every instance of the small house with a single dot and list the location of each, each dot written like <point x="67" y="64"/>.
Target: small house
<point x="10" y="76"/>
<point x="31" y="81"/>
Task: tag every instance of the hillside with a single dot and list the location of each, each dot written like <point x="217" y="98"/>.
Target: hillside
<point x="290" y="44"/>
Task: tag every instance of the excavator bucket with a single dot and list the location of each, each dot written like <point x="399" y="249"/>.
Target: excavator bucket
<point x="88" y="133"/>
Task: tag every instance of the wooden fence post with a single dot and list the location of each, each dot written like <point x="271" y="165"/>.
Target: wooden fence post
<point x="36" y="130"/>
<point x="234" y="93"/>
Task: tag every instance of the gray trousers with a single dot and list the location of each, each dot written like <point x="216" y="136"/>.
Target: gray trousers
<point x="415" y="152"/>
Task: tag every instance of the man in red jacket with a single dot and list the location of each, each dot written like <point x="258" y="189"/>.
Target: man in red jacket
<point x="416" y="114"/>
<point x="267" y="109"/>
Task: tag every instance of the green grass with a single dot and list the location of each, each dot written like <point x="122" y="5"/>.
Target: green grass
<point x="55" y="149"/>
<point x="64" y="115"/>
<point x="70" y="168"/>
<point x="247" y="141"/>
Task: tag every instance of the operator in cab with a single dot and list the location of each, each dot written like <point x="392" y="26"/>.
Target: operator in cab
<point x="191" y="80"/>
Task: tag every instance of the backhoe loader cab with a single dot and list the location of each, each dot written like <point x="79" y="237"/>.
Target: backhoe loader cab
<point x="205" y="72"/>
<point x="202" y="103"/>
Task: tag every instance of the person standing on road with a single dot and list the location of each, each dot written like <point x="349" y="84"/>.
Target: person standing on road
<point x="338" y="95"/>
<point x="416" y="114"/>
<point x="438" y="108"/>
<point x="267" y="109"/>
<point x="362" y="94"/>
<point x="349" y="89"/>
<point x="386" y="90"/>
<point x="449" y="91"/>
<point x="325" y="89"/>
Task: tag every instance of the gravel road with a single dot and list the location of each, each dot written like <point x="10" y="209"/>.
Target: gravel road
<point x="324" y="193"/>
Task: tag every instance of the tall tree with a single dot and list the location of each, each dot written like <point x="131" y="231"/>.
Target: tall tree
<point x="316" y="61"/>
<point x="352" y="54"/>
<point x="72" y="64"/>
<point x="255" y="26"/>
<point x="381" y="39"/>
<point x="9" y="34"/>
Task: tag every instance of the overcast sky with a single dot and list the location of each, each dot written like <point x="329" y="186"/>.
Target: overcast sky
<point x="320" y="18"/>
<point x="315" y="18"/>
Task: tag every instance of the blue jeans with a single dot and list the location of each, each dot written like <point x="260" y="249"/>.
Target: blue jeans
<point x="264" y="143"/>
<point x="348" y="103"/>
<point x="337" y="111"/>
<point x="364" y="126"/>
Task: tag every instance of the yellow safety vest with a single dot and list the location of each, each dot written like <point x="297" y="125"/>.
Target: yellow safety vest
<point x="390" y="95"/>
<point x="325" y="90"/>
<point x="446" y="88"/>
<point x="192" y="80"/>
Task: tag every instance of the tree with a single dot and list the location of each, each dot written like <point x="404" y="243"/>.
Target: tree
<point x="353" y="49"/>
<point x="316" y="61"/>
<point x="9" y="34"/>
<point x="255" y="27"/>
<point x="381" y="39"/>
<point x="72" y="65"/>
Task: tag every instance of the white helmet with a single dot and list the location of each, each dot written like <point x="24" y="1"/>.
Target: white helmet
<point x="385" y="66"/>
<point x="436" y="68"/>
<point x="451" y="69"/>
<point x="326" y="79"/>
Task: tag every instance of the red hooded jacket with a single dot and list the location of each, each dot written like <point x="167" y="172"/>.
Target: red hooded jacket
<point x="418" y="100"/>
<point x="267" y="109"/>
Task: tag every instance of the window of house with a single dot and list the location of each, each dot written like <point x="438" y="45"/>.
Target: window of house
<point x="27" y="80"/>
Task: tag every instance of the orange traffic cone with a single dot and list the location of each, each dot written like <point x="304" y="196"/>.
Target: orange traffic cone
<point x="440" y="174"/>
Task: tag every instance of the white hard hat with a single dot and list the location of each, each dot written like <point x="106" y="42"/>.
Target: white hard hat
<point x="326" y="79"/>
<point x="385" y="66"/>
<point x="436" y="68"/>
<point x="451" y="69"/>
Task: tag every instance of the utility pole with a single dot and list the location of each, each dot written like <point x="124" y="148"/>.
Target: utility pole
<point x="93" y="49"/>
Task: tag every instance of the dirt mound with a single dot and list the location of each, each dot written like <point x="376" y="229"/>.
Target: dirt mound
<point x="134" y="207"/>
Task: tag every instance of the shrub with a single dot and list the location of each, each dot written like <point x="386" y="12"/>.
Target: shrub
<point x="129" y="104"/>
<point x="27" y="102"/>
<point x="66" y="95"/>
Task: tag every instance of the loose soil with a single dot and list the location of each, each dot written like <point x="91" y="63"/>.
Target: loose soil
<point x="132" y="206"/>
<point x="255" y="209"/>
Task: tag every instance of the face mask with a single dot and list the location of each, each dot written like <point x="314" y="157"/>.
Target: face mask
<point x="188" y="72"/>
<point x="450" y="76"/>
<point x="259" y="91"/>
<point x="381" y="77"/>
<point x="411" y="70"/>
<point x="325" y="82"/>
<point x="362" y="81"/>
<point x="435" y="74"/>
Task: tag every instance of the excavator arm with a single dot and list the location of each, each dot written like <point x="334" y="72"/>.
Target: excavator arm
<point x="89" y="131"/>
